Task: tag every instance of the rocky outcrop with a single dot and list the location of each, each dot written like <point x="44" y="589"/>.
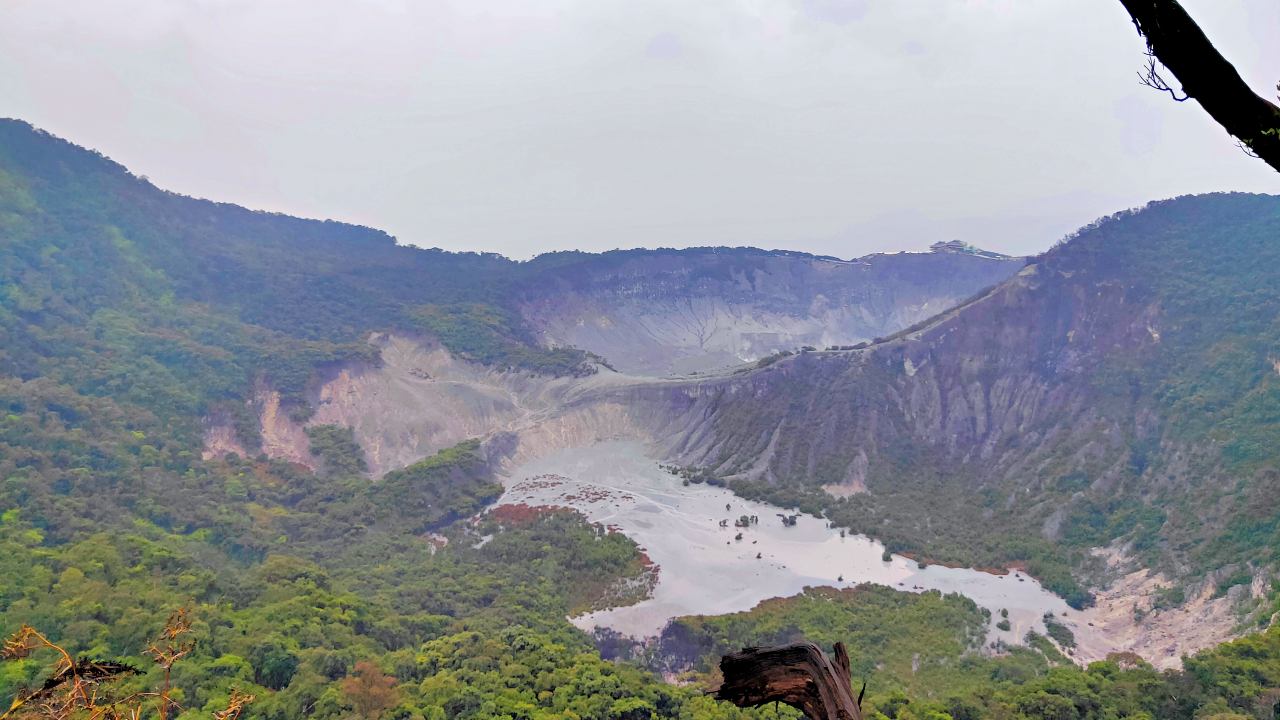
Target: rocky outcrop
<point x="417" y="401"/>
<point x="1129" y="614"/>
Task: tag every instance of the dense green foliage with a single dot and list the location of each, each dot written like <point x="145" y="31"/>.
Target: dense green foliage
<point x="117" y="288"/>
<point x="495" y="336"/>
<point x="336" y="449"/>
<point x="294" y="577"/>
<point x="916" y="653"/>
<point x="466" y="633"/>
<point x="439" y="489"/>
<point x="1213" y="377"/>
<point x="918" y="643"/>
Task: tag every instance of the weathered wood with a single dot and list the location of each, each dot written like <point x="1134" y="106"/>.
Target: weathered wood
<point x="799" y="675"/>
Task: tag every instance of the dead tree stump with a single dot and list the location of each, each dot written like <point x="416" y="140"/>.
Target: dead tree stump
<point x="799" y="675"/>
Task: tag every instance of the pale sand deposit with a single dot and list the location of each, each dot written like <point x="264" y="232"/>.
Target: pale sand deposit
<point x="704" y="570"/>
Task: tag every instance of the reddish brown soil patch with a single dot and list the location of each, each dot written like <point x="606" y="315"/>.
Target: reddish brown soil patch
<point x="522" y="514"/>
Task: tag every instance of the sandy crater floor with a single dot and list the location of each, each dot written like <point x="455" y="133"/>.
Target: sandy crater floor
<point x="705" y="570"/>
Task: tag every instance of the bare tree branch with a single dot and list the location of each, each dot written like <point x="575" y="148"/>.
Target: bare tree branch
<point x="1180" y="45"/>
<point x="1152" y="79"/>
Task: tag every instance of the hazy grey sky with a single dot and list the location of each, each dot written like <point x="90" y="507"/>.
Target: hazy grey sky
<point x="834" y="126"/>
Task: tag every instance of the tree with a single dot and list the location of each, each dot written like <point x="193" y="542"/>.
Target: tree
<point x="80" y="687"/>
<point x="369" y="692"/>
<point x="273" y="664"/>
<point x="1176" y="42"/>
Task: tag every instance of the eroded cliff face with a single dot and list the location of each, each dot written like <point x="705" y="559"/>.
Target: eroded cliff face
<point x="674" y="312"/>
<point x="417" y="401"/>
<point x="995" y="388"/>
<point x="279" y="436"/>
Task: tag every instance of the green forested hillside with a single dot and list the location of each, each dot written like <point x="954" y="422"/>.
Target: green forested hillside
<point x="117" y="288"/>
<point x="127" y="313"/>
<point x="1213" y="376"/>
<point x="909" y="651"/>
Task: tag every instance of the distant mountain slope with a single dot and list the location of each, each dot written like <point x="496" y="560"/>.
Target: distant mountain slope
<point x="212" y="296"/>
<point x="1137" y="366"/>
<point x="658" y="312"/>
<point x="84" y="235"/>
<point x="1124" y="386"/>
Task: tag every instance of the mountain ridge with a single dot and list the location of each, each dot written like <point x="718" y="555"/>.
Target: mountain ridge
<point x="1115" y="401"/>
<point x="1072" y="332"/>
<point x="660" y="313"/>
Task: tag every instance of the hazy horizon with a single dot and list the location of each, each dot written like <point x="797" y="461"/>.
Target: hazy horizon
<point x="832" y="127"/>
